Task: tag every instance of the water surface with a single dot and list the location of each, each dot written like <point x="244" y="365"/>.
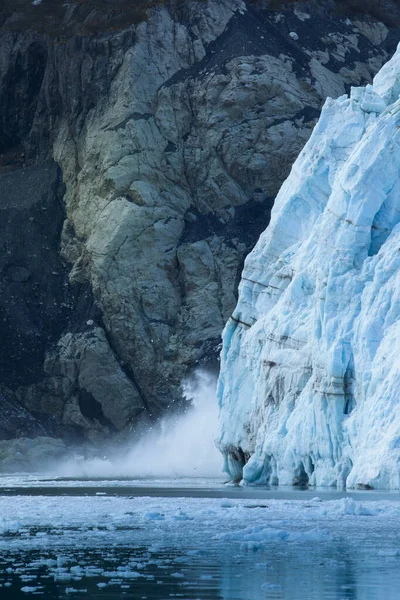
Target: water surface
<point x="195" y="539"/>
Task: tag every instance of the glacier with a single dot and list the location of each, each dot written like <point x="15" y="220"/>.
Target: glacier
<point x="309" y="389"/>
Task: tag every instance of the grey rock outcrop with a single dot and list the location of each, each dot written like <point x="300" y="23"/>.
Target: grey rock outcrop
<point x="173" y="137"/>
<point x="85" y="387"/>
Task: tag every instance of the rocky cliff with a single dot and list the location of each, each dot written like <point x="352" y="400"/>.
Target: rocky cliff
<point x="141" y="152"/>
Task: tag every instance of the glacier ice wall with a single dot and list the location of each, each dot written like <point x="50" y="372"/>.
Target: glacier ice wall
<point x="310" y="383"/>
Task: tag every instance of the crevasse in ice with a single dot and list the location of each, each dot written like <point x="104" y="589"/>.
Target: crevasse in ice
<point x="310" y="382"/>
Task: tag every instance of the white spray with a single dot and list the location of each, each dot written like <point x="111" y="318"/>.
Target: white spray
<point x="179" y="446"/>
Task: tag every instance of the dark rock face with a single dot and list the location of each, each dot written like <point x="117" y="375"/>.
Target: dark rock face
<point x="138" y="166"/>
<point x="15" y="420"/>
<point x="35" y="297"/>
<point x="20" y="92"/>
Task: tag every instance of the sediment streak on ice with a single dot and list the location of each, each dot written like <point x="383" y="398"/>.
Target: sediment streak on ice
<point x="310" y="381"/>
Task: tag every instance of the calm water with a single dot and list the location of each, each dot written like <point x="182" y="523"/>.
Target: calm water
<point x="105" y="539"/>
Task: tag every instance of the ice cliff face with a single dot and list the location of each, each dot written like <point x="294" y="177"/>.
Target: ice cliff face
<point x="139" y="162"/>
<point x="310" y="377"/>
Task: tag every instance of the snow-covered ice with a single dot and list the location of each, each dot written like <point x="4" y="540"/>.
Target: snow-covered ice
<point x="310" y="362"/>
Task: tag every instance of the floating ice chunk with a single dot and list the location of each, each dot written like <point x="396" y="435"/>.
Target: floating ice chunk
<point x="181" y="516"/>
<point x="348" y="506"/>
<point x="270" y="534"/>
<point x="263" y="565"/>
<point x="270" y="586"/>
<point x="9" y="526"/>
<point x="154" y="516"/>
<point x="125" y="574"/>
<point x="62" y="576"/>
<point x="62" y="561"/>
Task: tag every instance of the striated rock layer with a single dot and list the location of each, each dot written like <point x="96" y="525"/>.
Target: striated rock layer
<point x="139" y="163"/>
<point x="311" y="372"/>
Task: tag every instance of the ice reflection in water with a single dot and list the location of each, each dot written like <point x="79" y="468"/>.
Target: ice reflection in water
<point x="303" y="572"/>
